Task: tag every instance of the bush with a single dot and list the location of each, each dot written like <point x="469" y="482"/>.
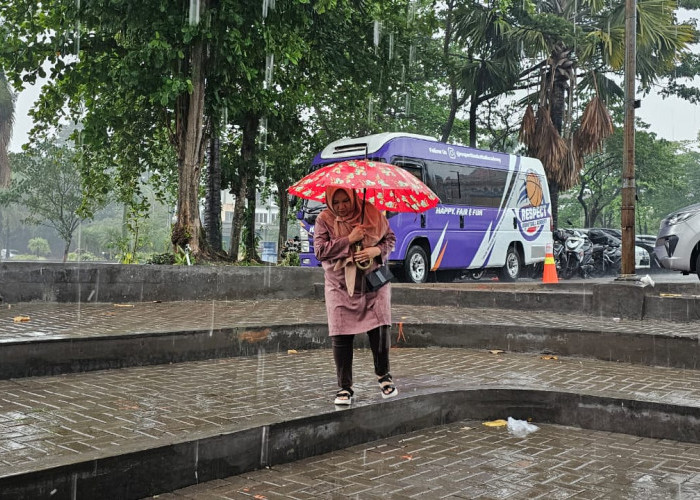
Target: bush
<point x="161" y="259"/>
<point x="290" y="259"/>
<point x="28" y="257"/>
<point x="82" y="257"/>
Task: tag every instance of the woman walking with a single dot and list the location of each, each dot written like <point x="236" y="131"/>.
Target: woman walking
<point x="351" y="307"/>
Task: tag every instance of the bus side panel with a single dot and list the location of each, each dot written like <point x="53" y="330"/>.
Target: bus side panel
<point x="534" y="211"/>
<point x="525" y="218"/>
<point x="454" y="233"/>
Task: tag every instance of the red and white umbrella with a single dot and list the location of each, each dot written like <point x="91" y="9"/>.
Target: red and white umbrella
<point x="386" y="186"/>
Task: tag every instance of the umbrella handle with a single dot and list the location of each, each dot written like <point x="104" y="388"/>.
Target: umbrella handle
<point x="360" y="265"/>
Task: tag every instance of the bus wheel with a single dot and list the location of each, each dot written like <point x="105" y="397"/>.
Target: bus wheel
<point x="415" y="266"/>
<point x="511" y="271"/>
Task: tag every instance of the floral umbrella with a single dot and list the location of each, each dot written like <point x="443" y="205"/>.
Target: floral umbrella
<point x="386" y="186"/>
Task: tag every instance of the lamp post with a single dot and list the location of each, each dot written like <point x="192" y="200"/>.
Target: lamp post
<point x="628" y="184"/>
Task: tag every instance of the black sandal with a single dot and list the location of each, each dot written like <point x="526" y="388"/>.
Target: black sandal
<point x="344" y="397"/>
<point x="386" y="384"/>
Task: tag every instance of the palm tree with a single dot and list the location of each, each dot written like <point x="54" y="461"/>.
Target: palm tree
<point x="486" y="59"/>
<point x="591" y="39"/>
<point x="564" y="49"/>
<point x="7" y="120"/>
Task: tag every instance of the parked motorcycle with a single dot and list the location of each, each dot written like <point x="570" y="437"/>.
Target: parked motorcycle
<point x="573" y="253"/>
<point x="607" y="254"/>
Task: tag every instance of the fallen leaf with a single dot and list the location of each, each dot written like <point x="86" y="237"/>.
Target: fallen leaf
<point x="260" y="497"/>
<point x="496" y="351"/>
<point x="548" y="356"/>
<point x="21" y="319"/>
<point x="292" y="351"/>
<point x="496" y="423"/>
<point x="407" y="457"/>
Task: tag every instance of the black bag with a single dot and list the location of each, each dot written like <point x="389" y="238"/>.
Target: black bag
<point x="378" y="278"/>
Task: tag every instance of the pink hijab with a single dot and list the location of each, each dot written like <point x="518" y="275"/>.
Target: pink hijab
<point x="374" y="222"/>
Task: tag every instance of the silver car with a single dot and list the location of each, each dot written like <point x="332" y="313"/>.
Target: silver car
<point x="677" y="243"/>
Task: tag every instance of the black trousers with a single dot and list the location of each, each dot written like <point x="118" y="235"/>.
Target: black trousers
<point x="379" y="342"/>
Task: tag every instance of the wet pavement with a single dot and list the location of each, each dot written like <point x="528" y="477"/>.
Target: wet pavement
<point x="55" y="421"/>
<point x="61" y="320"/>
<point x="470" y="461"/>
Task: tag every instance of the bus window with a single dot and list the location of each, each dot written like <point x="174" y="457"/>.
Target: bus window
<point x="413" y="167"/>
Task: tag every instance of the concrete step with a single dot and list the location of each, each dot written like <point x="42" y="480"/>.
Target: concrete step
<point x="141" y="431"/>
<point x="69" y="338"/>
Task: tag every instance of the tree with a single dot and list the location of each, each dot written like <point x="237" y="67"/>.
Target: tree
<point x="7" y="117"/>
<point x="658" y="166"/>
<point x="128" y="72"/>
<point x="482" y="50"/>
<point x="39" y="246"/>
<point x="597" y="30"/>
<point x="47" y="183"/>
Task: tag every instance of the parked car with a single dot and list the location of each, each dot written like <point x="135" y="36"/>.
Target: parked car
<point x="8" y="254"/>
<point x="678" y="241"/>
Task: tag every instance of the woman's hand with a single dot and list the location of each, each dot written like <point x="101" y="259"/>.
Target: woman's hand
<point x="366" y="255"/>
<point x="357" y="233"/>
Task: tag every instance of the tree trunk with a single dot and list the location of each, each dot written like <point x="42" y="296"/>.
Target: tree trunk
<point x="249" y="163"/>
<point x="473" y="107"/>
<point x="447" y="127"/>
<point x="66" y="249"/>
<point x="582" y="202"/>
<point x="238" y="214"/>
<point x="554" y="196"/>
<point x="190" y="147"/>
<point x="283" y="204"/>
<point x="557" y="103"/>
<point x="212" y="214"/>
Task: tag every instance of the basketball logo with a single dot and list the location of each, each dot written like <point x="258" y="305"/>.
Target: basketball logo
<point x="534" y="189"/>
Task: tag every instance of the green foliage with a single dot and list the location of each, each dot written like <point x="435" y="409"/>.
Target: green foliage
<point x="47" y="183"/>
<point x="290" y="259"/>
<point x="39" y="247"/>
<point x="662" y="176"/>
<point x="161" y="259"/>
<point x="183" y="257"/>
<point x="31" y="257"/>
<point x="82" y="257"/>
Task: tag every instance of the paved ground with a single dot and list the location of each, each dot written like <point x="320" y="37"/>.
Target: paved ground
<point x="56" y="420"/>
<point x="61" y="320"/>
<point x="468" y="460"/>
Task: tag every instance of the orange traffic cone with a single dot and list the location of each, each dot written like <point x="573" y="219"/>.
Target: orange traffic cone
<point x="549" y="275"/>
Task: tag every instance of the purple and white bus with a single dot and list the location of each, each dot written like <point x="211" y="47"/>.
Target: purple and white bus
<point x="495" y="210"/>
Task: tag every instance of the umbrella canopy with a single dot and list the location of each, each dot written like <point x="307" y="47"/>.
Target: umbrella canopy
<point x="386" y="186"/>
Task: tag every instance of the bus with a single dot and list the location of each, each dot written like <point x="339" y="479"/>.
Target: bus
<point x="494" y="211"/>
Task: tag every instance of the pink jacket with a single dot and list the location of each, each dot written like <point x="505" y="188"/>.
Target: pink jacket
<point x="363" y="311"/>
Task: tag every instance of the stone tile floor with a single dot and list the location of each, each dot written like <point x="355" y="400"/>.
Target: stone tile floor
<point x="470" y="461"/>
<point x="60" y="320"/>
<point x="54" y="420"/>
